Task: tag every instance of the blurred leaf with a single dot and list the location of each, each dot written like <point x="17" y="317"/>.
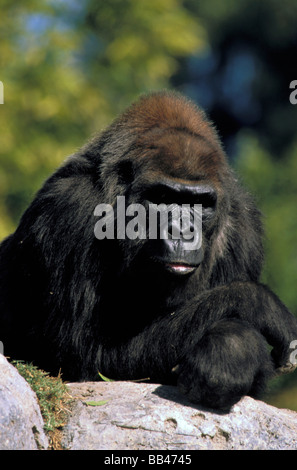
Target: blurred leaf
<point x="96" y="403"/>
<point x="105" y="379"/>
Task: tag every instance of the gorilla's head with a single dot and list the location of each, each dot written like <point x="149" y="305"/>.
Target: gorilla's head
<point x="165" y="161"/>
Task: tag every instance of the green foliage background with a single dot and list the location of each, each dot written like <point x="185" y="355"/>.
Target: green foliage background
<point x="68" y="67"/>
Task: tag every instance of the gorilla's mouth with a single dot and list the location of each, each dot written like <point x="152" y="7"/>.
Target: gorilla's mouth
<point x="176" y="267"/>
<point x="180" y="269"/>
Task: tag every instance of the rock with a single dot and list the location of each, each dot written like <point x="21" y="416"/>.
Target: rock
<point x="21" y="423"/>
<point x="133" y="416"/>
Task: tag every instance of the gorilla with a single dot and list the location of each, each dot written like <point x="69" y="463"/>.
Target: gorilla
<point x="139" y="307"/>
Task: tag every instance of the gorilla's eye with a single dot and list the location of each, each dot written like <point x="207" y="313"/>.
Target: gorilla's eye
<point x="161" y="194"/>
<point x="208" y="200"/>
<point x="125" y="171"/>
<point x="182" y="194"/>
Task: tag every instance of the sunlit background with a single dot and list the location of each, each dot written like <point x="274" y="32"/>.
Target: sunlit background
<point x="69" y="66"/>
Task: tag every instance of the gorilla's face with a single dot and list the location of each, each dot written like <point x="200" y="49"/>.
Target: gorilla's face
<point x="170" y="173"/>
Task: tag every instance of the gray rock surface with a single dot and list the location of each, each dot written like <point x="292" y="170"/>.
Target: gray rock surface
<point x="21" y="424"/>
<point x="132" y="416"/>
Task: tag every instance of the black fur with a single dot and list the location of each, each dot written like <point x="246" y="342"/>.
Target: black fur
<point x="69" y="301"/>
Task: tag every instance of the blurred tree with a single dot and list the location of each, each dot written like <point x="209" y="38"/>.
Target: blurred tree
<point x="275" y="185"/>
<point x="133" y="46"/>
<point x="68" y="68"/>
<point x="243" y="77"/>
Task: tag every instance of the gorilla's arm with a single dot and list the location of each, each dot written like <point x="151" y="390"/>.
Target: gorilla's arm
<point x="218" y="337"/>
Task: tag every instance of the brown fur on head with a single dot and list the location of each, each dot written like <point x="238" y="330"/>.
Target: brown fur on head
<point x="167" y="134"/>
<point x="165" y="110"/>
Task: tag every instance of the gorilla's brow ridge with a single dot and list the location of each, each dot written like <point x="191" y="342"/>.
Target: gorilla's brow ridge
<point x="182" y="129"/>
<point x="187" y="131"/>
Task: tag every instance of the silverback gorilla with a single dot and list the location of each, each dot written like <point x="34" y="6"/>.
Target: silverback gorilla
<point x="138" y="308"/>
